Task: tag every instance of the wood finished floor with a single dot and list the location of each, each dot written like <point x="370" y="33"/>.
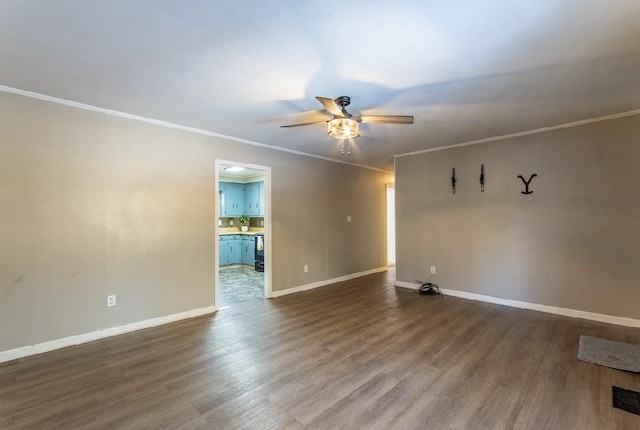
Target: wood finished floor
<point x="358" y="355"/>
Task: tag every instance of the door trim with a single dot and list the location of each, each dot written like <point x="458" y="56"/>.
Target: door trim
<point x="266" y="170"/>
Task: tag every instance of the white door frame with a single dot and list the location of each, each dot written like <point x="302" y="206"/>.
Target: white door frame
<point x="390" y="220"/>
<point x="267" y="226"/>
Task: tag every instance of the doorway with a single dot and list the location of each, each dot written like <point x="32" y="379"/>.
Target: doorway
<point x="242" y="189"/>
<point x="391" y="225"/>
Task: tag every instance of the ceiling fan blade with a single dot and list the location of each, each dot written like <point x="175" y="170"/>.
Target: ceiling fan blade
<point x="330" y="105"/>
<point x="385" y="119"/>
<point x="304" y="123"/>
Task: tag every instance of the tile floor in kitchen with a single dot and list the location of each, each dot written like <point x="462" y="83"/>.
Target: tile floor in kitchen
<point x="240" y="284"/>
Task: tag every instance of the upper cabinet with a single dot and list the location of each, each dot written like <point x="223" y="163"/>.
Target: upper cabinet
<point x="236" y="199"/>
<point x="231" y="199"/>
<point x="254" y="198"/>
<point x="261" y="198"/>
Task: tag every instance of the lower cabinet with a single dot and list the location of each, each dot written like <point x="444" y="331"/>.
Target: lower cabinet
<point x="234" y="252"/>
<point x="223" y="253"/>
<point x="248" y="250"/>
<point x="230" y="250"/>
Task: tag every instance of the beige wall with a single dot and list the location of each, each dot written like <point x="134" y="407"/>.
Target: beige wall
<point x="93" y="204"/>
<point x="573" y="243"/>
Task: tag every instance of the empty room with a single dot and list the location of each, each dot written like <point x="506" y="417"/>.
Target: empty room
<point x="319" y="215"/>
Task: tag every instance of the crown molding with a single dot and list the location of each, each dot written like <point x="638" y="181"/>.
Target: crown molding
<point x="83" y="106"/>
<point x="524" y="133"/>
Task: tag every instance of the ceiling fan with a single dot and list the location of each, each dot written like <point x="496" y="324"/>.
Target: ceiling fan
<point x="343" y="125"/>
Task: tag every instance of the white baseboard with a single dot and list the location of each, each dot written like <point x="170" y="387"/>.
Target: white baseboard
<point x="610" y="319"/>
<point x="319" y="284"/>
<point x="39" y="348"/>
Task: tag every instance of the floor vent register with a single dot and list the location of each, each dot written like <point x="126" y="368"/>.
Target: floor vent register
<point x="626" y="400"/>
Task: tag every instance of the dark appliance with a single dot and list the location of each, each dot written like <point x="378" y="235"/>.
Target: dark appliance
<point x="259" y="247"/>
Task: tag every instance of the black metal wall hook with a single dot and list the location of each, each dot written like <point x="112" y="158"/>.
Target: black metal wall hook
<point x="482" y="178"/>
<point x="526" y="183"/>
<point x="453" y="180"/>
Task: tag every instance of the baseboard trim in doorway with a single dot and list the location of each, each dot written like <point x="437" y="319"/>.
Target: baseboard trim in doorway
<point x="319" y="284"/>
<point x="52" y="345"/>
<point x="609" y="319"/>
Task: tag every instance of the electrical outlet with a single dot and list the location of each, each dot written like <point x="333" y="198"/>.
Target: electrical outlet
<point x="433" y="270"/>
<point x="111" y="301"/>
<point x="230" y="222"/>
<point x="348" y="218"/>
<point x="219" y="222"/>
<point x="261" y="223"/>
<point x="306" y="268"/>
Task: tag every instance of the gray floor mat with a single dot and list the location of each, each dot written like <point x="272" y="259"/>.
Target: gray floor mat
<point x="609" y="353"/>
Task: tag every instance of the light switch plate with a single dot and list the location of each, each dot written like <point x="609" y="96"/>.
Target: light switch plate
<point x="111" y="300"/>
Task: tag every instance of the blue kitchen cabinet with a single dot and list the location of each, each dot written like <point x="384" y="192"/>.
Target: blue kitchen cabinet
<point x="235" y="251"/>
<point x="248" y="250"/>
<point x="250" y="199"/>
<point x="230" y="250"/>
<point x="231" y="199"/>
<point x="223" y="257"/>
<point x="254" y="199"/>
<point x="261" y="198"/>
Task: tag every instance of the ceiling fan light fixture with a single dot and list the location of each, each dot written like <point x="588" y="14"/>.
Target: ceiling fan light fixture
<point x="343" y="128"/>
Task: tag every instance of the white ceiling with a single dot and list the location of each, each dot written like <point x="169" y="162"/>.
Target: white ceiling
<point x="465" y="69"/>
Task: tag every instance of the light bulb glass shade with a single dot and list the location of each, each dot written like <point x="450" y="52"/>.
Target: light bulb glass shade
<point x="343" y="128"/>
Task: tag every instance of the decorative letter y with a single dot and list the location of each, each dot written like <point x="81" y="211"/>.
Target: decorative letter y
<point x="526" y="183"/>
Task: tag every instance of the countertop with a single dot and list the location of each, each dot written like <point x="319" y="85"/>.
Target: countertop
<point x="234" y="230"/>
